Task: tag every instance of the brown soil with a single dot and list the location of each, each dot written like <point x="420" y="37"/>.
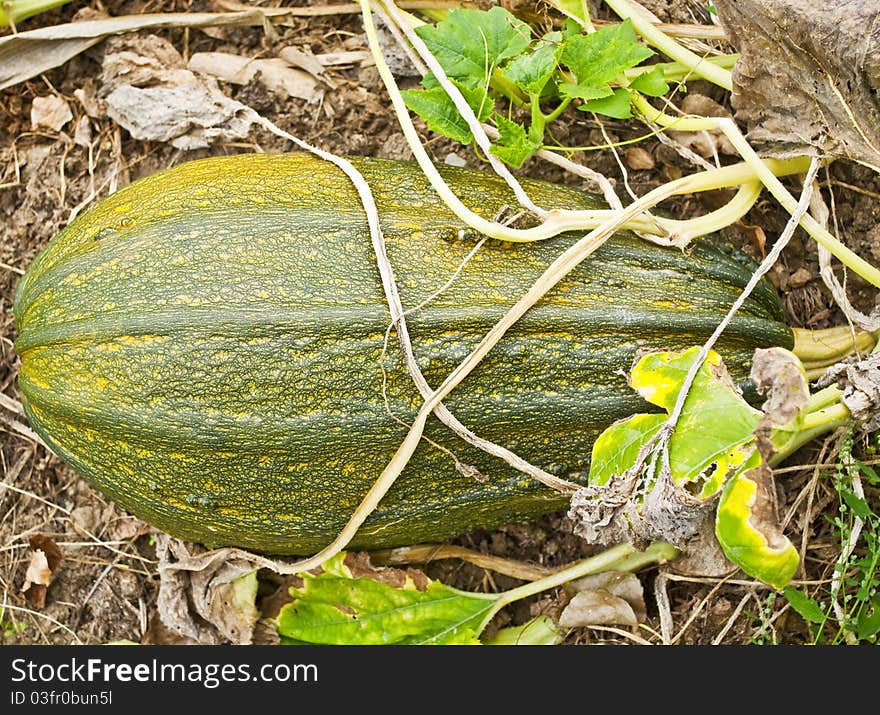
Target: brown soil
<point x="105" y="588"/>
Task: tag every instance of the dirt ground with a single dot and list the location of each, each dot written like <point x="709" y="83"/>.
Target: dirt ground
<point x="106" y="586"/>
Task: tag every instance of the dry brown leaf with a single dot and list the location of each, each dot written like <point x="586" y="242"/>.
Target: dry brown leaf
<point x="45" y="560"/>
<point x="274" y="74"/>
<point x="201" y="595"/>
<point x="623" y="584"/>
<point x="702" y="555"/>
<point x="808" y="77"/>
<point x="779" y="376"/>
<point x="306" y="61"/>
<point x="82" y="136"/>
<point x="50" y="112"/>
<point x="27" y="54"/>
<point x="639" y="159"/>
<point x="150" y="93"/>
<point x="597" y="608"/>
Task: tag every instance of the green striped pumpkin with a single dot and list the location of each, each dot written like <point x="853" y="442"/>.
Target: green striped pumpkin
<point x="204" y="347"/>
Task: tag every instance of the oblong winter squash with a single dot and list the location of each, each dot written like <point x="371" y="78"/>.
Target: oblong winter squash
<point x="205" y="347"/>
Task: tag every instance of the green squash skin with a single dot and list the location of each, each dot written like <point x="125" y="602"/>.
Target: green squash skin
<point x="204" y="347"/>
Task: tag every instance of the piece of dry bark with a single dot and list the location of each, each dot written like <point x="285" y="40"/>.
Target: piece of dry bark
<point x="808" y="77"/>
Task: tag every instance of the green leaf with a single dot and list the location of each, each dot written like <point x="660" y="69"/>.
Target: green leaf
<point x="868" y="625"/>
<point x="513" y="146"/>
<point x="616" y="449"/>
<point x="748" y="530"/>
<point x="599" y="58"/>
<point x="333" y="608"/>
<point x="713" y="442"/>
<point x="617" y="105"/>
<point x="868" y="472"/>
<point x="477" y="98"/>
<point x="715" y="431"/>
<point x="538" y="631"/>
<point x="571" y="28"/>
<point x="574" y="9"/>
<point x="579" y="91"/>
<point x="531" y="72"/>
<point x="470" y="43"/>
<point x="439" y="113"/>
<point x="858" y="505"/>
<point x="808" y="609"/>
<point x="651" y="83"/>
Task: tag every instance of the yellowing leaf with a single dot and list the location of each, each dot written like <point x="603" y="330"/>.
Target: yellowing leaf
<point x="747" y="527"/>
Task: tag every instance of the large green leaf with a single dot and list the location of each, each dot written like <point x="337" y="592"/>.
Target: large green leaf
<point x="599" y="58"/>
<point x="714" y="445"/>
<point x="715" y="431"/>
<point x="470" y="43"/>
<point x="334" y="608"/>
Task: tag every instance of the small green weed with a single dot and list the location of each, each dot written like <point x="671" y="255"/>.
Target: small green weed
<point x="848" y="610"/>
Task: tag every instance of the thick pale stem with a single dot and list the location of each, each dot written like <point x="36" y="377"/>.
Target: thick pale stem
<point x="819" y="348"/>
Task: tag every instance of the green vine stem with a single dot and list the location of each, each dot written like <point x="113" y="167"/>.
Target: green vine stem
<point x="670" y="47"/>
<point x="13" y="11"/>
<point x="622" y="557"/>
<point x="728" y="127"/>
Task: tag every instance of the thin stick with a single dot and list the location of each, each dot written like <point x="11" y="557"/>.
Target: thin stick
<point x="10" y="404"/>
<point x="665" y="612"/>
<point x="14" y="269"/>
<point x="699" y="607"/>
<point x="730" y="621"/>
<point x="620" y="632"/>
<point x="425" y="553"/>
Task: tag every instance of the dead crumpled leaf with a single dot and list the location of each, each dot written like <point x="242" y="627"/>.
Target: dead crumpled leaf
<point x="779" y="376"/>
<point x="604" y="599"/>
<point x="860" y="381"/>
<point x="50" y="112"/>
<point x="808" y="76"/>
<point x="275" y="74"/>
<point x="27" y="54"/>
<point x="206" y="596"/>
<point x="610" y="513"/>
<point x="150" y="93"/>
<point x="44" y="563"/>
